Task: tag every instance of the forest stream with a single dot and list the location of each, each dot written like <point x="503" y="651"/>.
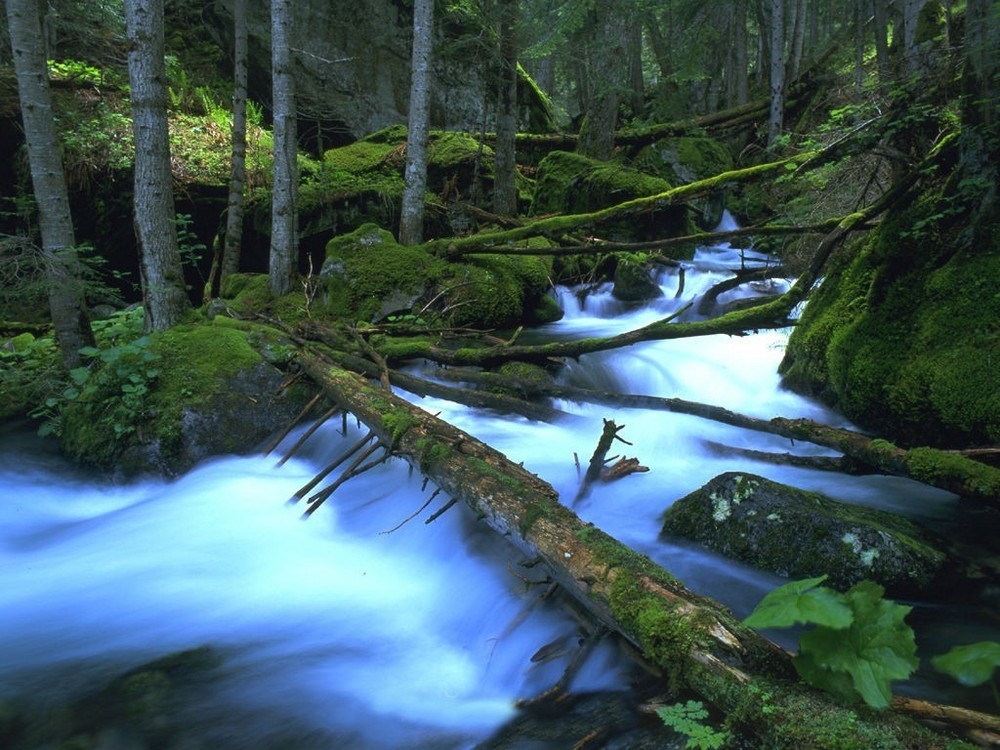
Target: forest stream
<point x="351" y="630"/>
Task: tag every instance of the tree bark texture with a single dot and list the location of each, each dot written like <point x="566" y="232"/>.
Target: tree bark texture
<point x="504" y="183"/>
<point x="777" y="66"/>
<point x="164" y="296"/>
<point x="65" y="291"/>
<point x="238" y="169"/>
<point x="411" y="214"/>
<point x="283" y="263"/>
<point x="608" y="67"/>
<point x="693" y="641"/>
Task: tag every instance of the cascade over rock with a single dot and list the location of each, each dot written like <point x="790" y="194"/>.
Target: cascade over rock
<point x="798" y="534"/>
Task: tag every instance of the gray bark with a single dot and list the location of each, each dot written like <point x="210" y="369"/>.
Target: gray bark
<point x="608" y="68"/>
<point x="238" y="171"/>
<point x="504" y="187"/>
<point x="411" y="215"/>
<point x="283" y="261"/>
<point x="777" y="71"/>
<point x="164" y="296"/>
<point x="65" y="292"/>
<point x="882" y="40"/>
<point x="911" y="13"/>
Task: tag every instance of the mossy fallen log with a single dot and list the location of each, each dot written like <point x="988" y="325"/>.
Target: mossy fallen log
<point x="557" y="226"/>
<point x="694" y="641"/>
<point x="943" y="469"/>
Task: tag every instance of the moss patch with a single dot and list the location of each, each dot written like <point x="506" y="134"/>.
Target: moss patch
<point x="904" y="337"/>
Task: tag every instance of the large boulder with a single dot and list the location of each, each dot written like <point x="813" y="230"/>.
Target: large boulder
<point x="165" y="402"/>
<point x="798" y="534"/>
<point x="569" y="183"/>
<point x="369" y="276"/>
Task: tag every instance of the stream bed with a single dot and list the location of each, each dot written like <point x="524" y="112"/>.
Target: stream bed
<point x="350" y="630"/>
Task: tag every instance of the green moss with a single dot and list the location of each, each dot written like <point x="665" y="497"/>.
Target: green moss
<point x="532" y="515"/>
<point x="930" y="465"/>
<point x="903" y="335"/>
<point x="684" y="159"/>
<point x="432" y="452"/>
<point x="399" y="421"/>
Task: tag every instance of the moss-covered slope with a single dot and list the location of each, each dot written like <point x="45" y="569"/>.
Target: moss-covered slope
<point x="904" y="336"/>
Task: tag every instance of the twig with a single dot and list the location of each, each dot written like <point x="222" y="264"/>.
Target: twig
<point x="323" y="474"/>
<point x="320" y="497"/>
<point x="307" y="434"/>
<point x="434" y="516"/>
<point x="291" y="426"/>
<point x="413" y="515"/>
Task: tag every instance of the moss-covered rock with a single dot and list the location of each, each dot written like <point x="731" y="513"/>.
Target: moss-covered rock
<point x="903" y="336"/>
<point x="169" y="400"/>
<point x="363" y="182"/>
<point x="799" y="534"/>
<point x="369" y="276"/>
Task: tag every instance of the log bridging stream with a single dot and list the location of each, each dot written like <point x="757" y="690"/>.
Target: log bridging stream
<point x="694" y="642"/>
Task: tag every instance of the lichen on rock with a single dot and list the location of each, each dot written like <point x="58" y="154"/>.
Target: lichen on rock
<point x="798" y="534"/>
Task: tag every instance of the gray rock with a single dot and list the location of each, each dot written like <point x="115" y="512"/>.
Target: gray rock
<point x="798" y="534"/>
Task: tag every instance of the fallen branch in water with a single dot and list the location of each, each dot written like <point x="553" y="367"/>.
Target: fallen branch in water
<point x="695" y="642"/>
<point x="938" y="468"/>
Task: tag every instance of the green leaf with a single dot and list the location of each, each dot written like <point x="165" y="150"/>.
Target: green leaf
<point x="801" y="601"/>
<point x="971" y="665"/>
<point x="89" y="351"/>
<point x="79" y="375"/>
<point x="877" y="648"/>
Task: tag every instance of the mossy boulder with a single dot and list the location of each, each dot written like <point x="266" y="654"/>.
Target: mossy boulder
<point x="686" y="159"/>
<point x="634" y="282"/>
<point x="169" y="400"/>
<point x="363" y="182"/>
<point x="369" y="276"/>
<point x="798" y="534"/>
<point x="903" y="336"/>
<point x="570" y="183"/>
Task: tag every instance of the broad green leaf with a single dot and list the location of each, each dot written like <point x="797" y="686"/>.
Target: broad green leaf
<point x="801" y="601"/>
<point x="971" y="665"/>
<point x="877" y="648"/>
<point x="89" y="351"/>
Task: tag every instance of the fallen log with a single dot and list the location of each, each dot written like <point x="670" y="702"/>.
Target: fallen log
<point x="943" y="469"/>
<point x="696" y="643"/>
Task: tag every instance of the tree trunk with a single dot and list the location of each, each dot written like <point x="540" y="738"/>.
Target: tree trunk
<point x="504" y="184"/>
<point x="881" y="18"/>
<point x="411" y="215"/>
<point x="238" y="170"/>
<point x="283" y="263"/>
<point x="164" y="297"/>
<point x="608" y="68"/>
<point x="693" y="641"/>
<point x="67" y="305"/>
<point x="911" y="14"/>
<point x="777" y="110"/>
<point x="740" y="64"/>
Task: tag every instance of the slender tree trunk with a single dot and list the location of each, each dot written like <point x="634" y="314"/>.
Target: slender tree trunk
<point x="777" y="71"/>
<point x="661" y="50"/>
<point x="881" y="18"/>
<point x="238" y="170"/>
<point x="859" y="47"/>
<point x="636" y="83"/>
<point x="164" y="296"/>
<point x="65" y="291"/>
<point x="504" y="184"/>
<point x="283" y="265"/>
<point x="411" y="215"/>
<point x="798" y="38"/>
<point x="741" y="61"/>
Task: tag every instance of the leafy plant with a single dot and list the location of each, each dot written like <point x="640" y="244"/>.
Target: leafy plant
<point x="972" y="665"/>
<point x="859" y="642"/>
<point x="689" y="719"/>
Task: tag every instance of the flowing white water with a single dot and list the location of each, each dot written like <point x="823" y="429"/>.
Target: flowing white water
<point x="334" y="634"/>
